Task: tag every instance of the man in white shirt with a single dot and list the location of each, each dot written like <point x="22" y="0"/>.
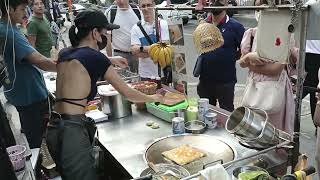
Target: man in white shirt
<point x="125" y="15"/>
<point x="312" y="66"/>
<point x="140" y="45"/>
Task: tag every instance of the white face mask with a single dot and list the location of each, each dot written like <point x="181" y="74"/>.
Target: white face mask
<point x="257" y="15"/>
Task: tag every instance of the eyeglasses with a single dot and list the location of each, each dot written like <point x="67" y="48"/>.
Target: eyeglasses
<point x="146" y="5"/>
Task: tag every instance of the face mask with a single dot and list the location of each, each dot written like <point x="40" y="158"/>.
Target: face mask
<point x="216" y="12"/>
<point x="103" y="43"/>
<point x="257" y="15"/>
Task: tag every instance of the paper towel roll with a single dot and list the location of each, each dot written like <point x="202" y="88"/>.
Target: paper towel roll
<point x="192" y="113"/>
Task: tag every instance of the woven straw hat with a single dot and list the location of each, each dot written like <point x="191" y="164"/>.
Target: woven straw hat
<point x="207" y="37"/>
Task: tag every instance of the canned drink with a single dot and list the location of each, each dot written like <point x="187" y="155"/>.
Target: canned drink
<point x="180" y="113"/>
<point x="178" y="125"/>
<point x="211" y="120"/>
<point x="203" y="107"/>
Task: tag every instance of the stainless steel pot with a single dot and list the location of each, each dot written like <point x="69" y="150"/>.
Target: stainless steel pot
<point x="252" y="128"/>
<point x="246" y="123"/>
<point x="268" y="136"/>
<point x="115" y="106"/>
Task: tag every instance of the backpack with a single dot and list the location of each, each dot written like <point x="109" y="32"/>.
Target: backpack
<point x="114" y="8"/>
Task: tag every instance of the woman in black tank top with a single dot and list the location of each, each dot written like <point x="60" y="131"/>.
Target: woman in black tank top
<point x="70" y="134"/>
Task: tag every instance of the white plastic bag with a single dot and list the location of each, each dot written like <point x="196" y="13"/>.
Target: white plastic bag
<point x="273" y="37"/>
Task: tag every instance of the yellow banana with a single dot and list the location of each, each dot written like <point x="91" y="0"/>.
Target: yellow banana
<point x="168" y="56"/>
<point x="155" y="55"/>
<point x="153" y="49"/>
<point x="152" y="53"/>
<point x="162" y="58"/>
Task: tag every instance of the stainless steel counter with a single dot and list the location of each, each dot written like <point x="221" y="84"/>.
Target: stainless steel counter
<point x="127" y="139"/>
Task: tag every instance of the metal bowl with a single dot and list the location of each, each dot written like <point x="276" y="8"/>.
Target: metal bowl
<point x="239" y="170"/>
<point x="214" y="147"/>
<point x="195" y="127"/>
<point x="179" y="170"/>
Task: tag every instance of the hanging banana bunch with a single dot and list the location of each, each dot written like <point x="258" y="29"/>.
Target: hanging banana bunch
<point x="161" y="53"/>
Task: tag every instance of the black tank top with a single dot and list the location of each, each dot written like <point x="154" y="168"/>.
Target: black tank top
<point x="95" y="63"/>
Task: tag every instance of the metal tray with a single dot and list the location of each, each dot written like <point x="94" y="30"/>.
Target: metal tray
<point x="127" y="75"/>
<point x="215" y="148"/>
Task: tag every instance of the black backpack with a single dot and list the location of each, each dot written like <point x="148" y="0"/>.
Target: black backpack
<point x="114" y="8"/>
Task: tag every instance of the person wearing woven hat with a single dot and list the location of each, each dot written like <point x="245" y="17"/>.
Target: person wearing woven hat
<point x="70" y="133"/>
<point x="218" y="72"/>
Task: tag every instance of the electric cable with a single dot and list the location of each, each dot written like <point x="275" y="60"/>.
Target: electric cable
<point x="7" y="6"/>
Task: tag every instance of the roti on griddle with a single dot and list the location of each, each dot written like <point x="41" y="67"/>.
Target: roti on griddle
<point x="183" y="155"/>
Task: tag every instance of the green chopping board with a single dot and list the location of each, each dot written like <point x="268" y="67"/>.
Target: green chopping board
<point x="182" y="105"/>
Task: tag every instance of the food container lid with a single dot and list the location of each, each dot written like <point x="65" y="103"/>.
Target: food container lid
<point x="107" y="90"/>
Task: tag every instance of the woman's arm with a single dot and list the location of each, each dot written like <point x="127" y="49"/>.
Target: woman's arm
<point x="246" y="45"/>
<point x="269" y="69"/>
<point x="133" y="95"/>
<point x="119" y="61"/>
<point x="251" y="58"/>
<point x="243" y="62"/>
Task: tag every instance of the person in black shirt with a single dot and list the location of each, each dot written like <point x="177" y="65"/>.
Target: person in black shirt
<point x="70" y="134"/>
<point x="218" y="72"/>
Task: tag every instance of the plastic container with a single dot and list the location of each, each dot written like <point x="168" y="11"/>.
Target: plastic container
<point x="17" y="156"/>
<point x="160" y="113"/>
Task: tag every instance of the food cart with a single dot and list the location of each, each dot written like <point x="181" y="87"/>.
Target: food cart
<point x="128" y="144"/>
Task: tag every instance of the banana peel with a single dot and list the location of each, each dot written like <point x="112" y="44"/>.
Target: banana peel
<point x="302" y="164"/>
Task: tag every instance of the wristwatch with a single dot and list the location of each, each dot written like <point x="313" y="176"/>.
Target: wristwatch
<point x="141" y="48"/>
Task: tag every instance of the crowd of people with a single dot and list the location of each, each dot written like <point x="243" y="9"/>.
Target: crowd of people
<point x="124" y="33"/>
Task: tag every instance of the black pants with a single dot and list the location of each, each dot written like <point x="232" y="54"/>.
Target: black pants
<point x="6" y="134"/>
<point x="70" y="145"/>
<point x="33" y="119"/>
<point x="224" y="93"/>
<point x="312" y="66"/>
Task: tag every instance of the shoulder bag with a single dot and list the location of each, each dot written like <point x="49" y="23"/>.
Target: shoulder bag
<point x="265" y="95"/>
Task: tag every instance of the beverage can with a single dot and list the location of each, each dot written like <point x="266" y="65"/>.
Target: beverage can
<point x="180" y="113"/>
<point x="203" y="107"/>
<point x="211" y="120"/>
<point x="178" y="125"/>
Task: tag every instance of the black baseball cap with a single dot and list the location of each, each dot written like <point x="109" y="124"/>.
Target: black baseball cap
<point x="93" y="19"/>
